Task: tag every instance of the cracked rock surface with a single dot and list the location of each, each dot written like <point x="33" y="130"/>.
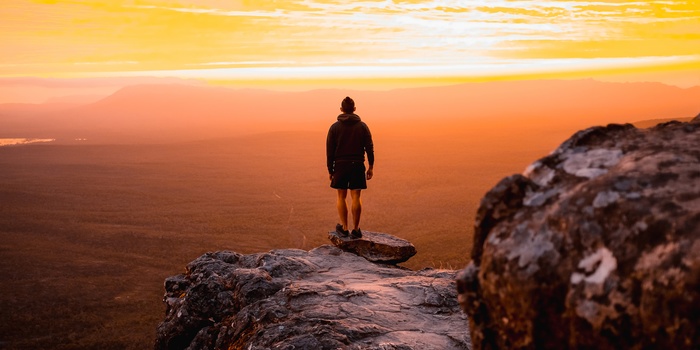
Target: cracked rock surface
<point x="596" y="246"/>
<point x="320" y="299"/>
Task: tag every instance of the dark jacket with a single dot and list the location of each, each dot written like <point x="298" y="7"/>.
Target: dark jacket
<point x="348" y="140"/>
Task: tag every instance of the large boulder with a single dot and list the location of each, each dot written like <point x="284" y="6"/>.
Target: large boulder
<point x="596" y="246"/>
<point x="321" y="299"/>
<point x="375" y="246"/>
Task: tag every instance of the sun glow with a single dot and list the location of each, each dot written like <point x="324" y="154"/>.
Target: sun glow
<point x="330" y="40"/>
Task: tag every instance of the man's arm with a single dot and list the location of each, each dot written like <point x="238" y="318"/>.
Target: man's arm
<point x="369" y="149"/>
<point x="330" y="150"/>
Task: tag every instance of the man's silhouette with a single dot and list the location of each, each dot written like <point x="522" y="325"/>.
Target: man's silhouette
<point x="347" y="142"/>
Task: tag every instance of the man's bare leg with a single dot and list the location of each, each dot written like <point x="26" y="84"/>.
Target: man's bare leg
<point x="356" y="208"/>
<point x="343" y="208"/>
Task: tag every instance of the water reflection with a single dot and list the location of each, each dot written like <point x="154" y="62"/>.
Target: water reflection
<point x="22" y="141"/>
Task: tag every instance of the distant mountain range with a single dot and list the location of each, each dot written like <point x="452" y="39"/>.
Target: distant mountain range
<point x="172" y="112"/>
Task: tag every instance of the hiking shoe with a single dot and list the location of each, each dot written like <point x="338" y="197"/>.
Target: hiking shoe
<point x="356" y="233"/>
<point x="339" y="229"/>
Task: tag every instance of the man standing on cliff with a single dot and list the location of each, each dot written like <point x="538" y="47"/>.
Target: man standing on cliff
<point x="347" y="142"/>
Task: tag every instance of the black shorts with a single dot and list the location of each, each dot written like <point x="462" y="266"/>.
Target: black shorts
<point x="349" y="175"/>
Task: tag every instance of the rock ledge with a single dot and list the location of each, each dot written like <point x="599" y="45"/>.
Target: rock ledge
<point x="321" y="299"/>
<point x="375" y="247"/>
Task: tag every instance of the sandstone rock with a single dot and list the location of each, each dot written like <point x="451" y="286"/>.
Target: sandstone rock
<point x="321" y="299"/>
<point x="596" y="246"/>
<point x="375" y="247"/>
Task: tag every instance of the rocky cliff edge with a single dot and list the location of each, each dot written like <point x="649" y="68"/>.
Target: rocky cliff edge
<point x="325" y="298"/>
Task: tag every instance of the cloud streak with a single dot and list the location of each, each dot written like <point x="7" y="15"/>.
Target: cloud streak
<point x="183" y="34"/>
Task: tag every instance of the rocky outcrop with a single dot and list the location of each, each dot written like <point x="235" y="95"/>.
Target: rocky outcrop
<point x="321" y="299"/>
<point x="596" y="246"/>
<point x="376" y="247"/>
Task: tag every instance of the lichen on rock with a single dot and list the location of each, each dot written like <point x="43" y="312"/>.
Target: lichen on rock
<point x="595" y="246"/>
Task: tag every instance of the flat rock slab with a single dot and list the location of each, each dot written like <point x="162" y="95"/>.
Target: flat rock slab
<point x="375" y="246"/>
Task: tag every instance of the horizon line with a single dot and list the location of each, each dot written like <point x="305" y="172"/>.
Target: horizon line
<point x="29" y="89"/>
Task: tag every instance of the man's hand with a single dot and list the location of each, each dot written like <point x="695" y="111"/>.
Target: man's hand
<point x="370" y="173"/>
<point x="330" y="176"/>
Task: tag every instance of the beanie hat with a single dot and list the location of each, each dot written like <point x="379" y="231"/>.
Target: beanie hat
<point x="348" y="105"/>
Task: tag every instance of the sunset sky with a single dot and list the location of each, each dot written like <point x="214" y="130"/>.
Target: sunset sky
<point x="306" y="41"/>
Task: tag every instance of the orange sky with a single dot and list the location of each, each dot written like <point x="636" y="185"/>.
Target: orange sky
<point x="325" y="43"/>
